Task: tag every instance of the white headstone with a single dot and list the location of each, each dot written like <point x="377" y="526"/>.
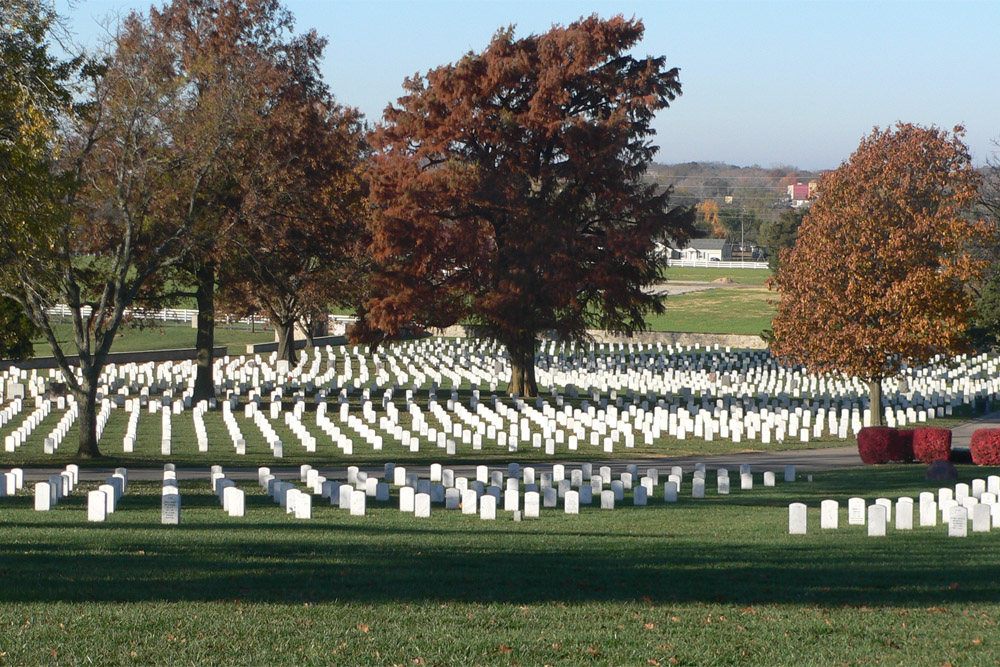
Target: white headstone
<point x="958" y="521"/>
<point x="531" y="504"/>
<point x="789" y="473"/>
<point x="904" y="514"/>
<point x="488" y="507"/>
<point x="470" y="501"/>
<point x="407" y="499"/>
<point x="43" y="497"/>
<point x="768" y="478"/>
<point x="829" y="515"/>
<point x="97" y="506"/>
<point x="698" y="487"/>
<point x="234" y="501"/>
<point x="980" y="518"/>
<point x="422" y="505"/>
<point x="303" y="506"/>
<point x="797" y="513"/>
<point x="639" y="497"/>
<point x="876" y="521"/>
<point x="670" y="492"/>
<point x="608" y="499"/>
<point x="746" y="481"/>
<point x="170" y="508"/>
<point x="571" y="502"/>
<point x="856" y="512"/>
<point x="357" y="501"/>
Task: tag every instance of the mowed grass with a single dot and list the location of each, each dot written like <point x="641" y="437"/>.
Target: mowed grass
<point x="697" y="274"/>
<point x="722" y="310"/>
<point x="713" y="581"/>
<point x="169" y="336"/>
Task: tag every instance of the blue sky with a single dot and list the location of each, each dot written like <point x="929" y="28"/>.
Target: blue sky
<point x="764" y="82"/>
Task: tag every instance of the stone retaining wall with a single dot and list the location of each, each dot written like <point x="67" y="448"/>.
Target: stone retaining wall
<point x="648" y="337"/>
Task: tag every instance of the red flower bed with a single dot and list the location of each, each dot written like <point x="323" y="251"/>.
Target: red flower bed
<point x="985" y="447"/>
<point x="931" y="444"/>
<point x="879" y="444"/>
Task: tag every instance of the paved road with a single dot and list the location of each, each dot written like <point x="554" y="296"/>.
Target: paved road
<point x="805" y="460"/>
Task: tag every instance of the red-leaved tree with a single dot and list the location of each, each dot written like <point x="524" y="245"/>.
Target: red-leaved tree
<point x="508" y="192"/>
<point x="876" y="277"/>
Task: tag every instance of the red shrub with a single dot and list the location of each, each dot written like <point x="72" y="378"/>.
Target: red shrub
<point x="905" y="437"/>
<point x="985" y="447"/>
<point x="879" y="444"/>
<point x="931" y="444"/>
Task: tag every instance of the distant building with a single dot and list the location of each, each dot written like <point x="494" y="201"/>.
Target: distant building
<point x="717" y="250"/>
<point x="802" y="193"/>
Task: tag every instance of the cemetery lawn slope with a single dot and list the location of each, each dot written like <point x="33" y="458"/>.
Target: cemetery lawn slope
<point x="717" y="580"/>
<point x="697" y="274"/>
<point x="724" y="310"/>
<point x="170" y="336"/>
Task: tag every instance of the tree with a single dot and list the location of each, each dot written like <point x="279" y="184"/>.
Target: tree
<point x="238" y="49"/>
<point x="139" y="165"/>
<point x="779" y="234"/>
<point x="508" y="191"/>
<point x="299" y="234"/>
<point x="876" y="278"/>
<point x="708" y="219"/>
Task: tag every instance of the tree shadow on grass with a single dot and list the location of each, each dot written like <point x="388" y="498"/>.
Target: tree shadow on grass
<point x="340" y="565"/>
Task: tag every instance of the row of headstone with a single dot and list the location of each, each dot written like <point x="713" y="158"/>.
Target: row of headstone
<point x="103" y="501"/>
<point x="50" y="492"/>
<point x="978" y="503"/>
<point x="12" y="481"/>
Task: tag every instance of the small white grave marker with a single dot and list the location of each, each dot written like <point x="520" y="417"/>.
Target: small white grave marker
<point x="958" y="521"/>
<point x="97" y="506"/>
<point x="876" y="520"/>
<point x="797" y="513"/>
<point x="829" y="515"/>
<point x="856" y="512"/>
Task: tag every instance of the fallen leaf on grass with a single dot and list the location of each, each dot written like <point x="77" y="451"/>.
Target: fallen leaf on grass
<point x="648" y="626"/>
<point x="653" y="662"/>
<point x="363" y="627"/>
<point x="503" y="648"/>
<point x="977" y="641"/>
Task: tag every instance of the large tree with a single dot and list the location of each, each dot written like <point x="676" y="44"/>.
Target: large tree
<point x="240" y="49"/>
<point x="876" y="277"/>
<point x="508" y="191"/>
<point x="143" y="155"/>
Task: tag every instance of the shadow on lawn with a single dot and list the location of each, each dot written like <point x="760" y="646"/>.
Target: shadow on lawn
<point x="934" y="570"/>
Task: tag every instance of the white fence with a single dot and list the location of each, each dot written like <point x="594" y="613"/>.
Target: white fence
<point x="709" y="264"/>
<point x="185" y="315"/>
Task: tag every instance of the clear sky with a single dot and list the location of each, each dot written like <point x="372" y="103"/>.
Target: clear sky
<point x="764" y="82"/>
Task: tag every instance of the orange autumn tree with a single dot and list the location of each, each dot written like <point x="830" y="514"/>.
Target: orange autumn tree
<point x="876" y="277"/>
<point x="508" y="192"/>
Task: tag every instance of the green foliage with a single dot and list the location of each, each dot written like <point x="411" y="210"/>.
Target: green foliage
<point x="16" y="331"/>
<point x="779" y="234"/>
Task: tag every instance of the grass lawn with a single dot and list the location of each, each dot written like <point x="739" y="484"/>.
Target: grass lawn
<point x="723" y="310"/>
<point x="697" y="274"/>
<point x="713" y="581"/>
<point x="168" y="337"/>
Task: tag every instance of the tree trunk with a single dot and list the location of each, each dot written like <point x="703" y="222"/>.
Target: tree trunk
<point x="286" y="341"/>
<point x="204" y="383"/>
<point x="875" y="401"/>
<point x="86" y="397"/>
<point x="307" y="330"/>
<point x="522" y="365"/>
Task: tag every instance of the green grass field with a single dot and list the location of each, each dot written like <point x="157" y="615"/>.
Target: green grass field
<point x="713" y="581"/>
<point x="697" y="274"/>
<point x="170" y="336"/>
<point x="723" y="310"/>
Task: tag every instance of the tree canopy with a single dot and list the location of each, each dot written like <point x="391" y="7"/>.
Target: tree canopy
<point x="876" y="277"/>
<point x="508" y="191"/>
